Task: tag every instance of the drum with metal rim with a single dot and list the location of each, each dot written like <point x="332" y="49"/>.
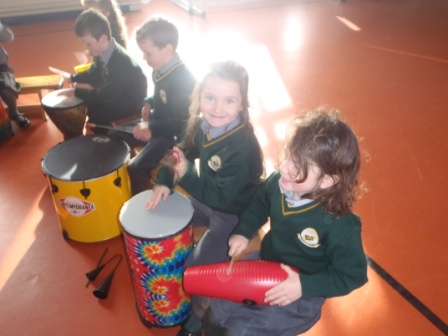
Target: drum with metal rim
<point x="89" y="183"/>
<point x="157" y="244"/>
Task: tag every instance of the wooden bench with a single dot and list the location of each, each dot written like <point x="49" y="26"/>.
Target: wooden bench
<point x="40" y="85"/>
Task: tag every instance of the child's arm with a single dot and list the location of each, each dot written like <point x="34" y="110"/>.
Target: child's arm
<point x="146" y="110"/>
<point x="61" y="73"/>
<point x="85" y="86"/>
<point x="237" y="244"/>
<point x="141" y="131"/>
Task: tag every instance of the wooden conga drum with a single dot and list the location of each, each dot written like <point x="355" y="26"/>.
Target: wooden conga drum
<point x="67" y="113"/>
<point x="157" y="244"/>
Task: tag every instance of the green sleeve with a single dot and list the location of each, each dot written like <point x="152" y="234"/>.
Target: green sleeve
<point x="256" y="214"/>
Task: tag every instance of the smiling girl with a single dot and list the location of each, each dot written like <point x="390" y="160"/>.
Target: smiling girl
<point x="221" y="136"/>
<point x="309" y="201"/>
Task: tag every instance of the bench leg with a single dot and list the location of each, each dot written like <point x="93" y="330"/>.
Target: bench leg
<point x="41" y="94"/>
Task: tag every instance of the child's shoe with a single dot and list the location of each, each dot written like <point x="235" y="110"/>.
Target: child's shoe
<point x="20" y="119"/>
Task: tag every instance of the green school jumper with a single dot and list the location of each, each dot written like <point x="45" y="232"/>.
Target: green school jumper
<point x="327" y="249"/>
<point x="119" y="88"/>
<point x="228" y="170"/>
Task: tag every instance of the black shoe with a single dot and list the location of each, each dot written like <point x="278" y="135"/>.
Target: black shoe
<point x="185" y="332"/>
<point x="21" y="121"/>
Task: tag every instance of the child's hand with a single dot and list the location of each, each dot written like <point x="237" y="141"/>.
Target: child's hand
<point x="159" y="192"/>
<point x="237" y="244"/>
<point x="61" y="73"/>
<point x="181" y="162"/>
<point x="287" y="291"/>
<point x="83" y="86"/>
<point x="142" y="132"/>
<point x="65" y="93"/>
<point x="146" y="111"/>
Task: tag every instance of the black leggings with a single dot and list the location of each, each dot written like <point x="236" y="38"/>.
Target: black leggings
<point x="10" y="99"/>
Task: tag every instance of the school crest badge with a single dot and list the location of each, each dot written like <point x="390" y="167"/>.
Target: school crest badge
<point x="215" y="163"/>
<point x="309" y="237"/>
<point x="163" y="96"/>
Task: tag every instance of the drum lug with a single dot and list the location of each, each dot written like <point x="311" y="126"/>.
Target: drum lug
<point x="54" y="188"/>
<point x="85" y="192"/>
<point x="117" y="181"/>
<point x="65" y="235"/>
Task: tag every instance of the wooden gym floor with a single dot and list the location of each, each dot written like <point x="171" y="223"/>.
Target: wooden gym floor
<point x="383" y="63"/>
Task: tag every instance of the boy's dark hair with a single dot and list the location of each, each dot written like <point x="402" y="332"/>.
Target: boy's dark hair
<point x="321" y="138"/>
<point x="114" y="16"/>
<point x="94" y="23"/>
<point x="160" y="31"/>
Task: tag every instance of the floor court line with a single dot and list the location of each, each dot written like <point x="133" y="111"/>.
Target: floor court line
<point x="408" y="296"/>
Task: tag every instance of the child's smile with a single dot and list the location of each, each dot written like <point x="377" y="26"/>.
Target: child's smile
<point x="221" y="101"/>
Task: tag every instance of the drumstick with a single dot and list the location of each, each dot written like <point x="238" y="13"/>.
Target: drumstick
<point x="229" y="269"/>
<point x="125" y="129"/>
<point x="170" y="161"/>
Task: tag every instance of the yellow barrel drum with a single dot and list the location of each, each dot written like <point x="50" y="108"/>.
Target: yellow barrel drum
<point x="89" y="183"/>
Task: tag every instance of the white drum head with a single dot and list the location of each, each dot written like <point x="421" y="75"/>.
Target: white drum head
<point x="167" y="219"/>
<point x="58" y="100"/>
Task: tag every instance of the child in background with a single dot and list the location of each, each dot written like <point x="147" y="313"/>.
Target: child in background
<point x="309" y="202"/>
<point x="111" y="10"/>
<point x="165" y="113"/>
<point x="9" y="88"/>
<point x="220" y="134"/>
<point x="114" y="87"/>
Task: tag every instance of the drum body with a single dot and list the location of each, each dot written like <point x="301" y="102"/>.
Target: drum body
<point x="67" y="113"/>
<point x="157" y="244"/>
<point x="89" y="184"/>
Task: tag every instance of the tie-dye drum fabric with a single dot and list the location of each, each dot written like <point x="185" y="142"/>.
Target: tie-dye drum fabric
<point x="157" y="244"/>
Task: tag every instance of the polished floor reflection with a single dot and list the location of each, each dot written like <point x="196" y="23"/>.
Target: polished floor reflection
<point x="383" y="63"/>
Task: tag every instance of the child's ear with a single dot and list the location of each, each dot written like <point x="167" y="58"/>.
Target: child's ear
<point x="103" y="39"/>
<point x="169" y="48"/>
<point x="328" y="181"/>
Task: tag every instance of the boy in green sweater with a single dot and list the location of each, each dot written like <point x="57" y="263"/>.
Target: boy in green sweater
<point x="313" y="229"/>
<point x="114" y="87"/>
<point x="165" y="113"/>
